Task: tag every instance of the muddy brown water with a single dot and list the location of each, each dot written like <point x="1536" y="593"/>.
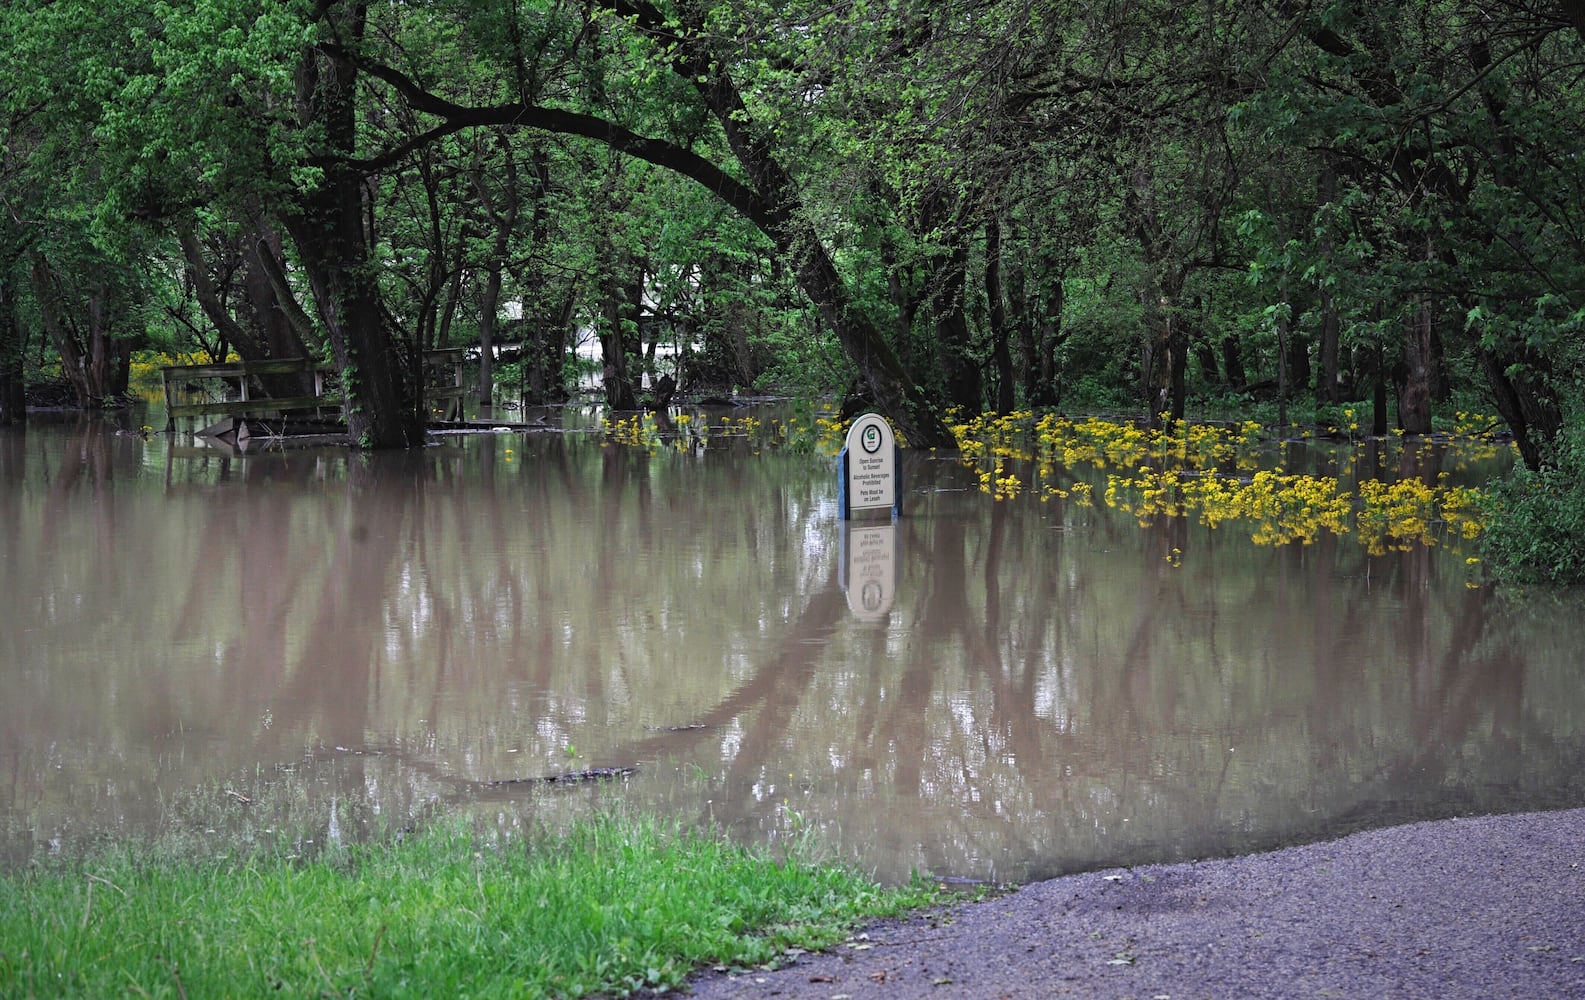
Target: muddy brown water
<point x="228" y="644"/>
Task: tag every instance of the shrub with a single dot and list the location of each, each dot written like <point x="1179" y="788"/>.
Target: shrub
<point x="1536" y="520"/>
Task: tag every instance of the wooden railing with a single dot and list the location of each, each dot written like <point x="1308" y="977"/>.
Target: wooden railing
<point x="443" y="388"/>
<point x="443" y="391"/>
<point x="232" y="380"/>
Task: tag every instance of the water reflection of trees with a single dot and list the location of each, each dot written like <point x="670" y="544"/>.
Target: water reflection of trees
<point x="1054" y="687"/>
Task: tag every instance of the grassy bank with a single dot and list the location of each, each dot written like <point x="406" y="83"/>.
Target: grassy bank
<point x="612" y="906"/>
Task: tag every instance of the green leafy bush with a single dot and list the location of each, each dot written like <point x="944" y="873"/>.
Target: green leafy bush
<point x="1536" y="520"/>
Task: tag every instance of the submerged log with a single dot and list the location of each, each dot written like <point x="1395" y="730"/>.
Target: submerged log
<point x="568" y="777"/>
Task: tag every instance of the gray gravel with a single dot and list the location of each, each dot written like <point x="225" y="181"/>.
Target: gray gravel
<point x="1481" y="907"/>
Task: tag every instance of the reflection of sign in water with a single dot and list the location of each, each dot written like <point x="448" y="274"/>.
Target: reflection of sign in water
<point x="870" y="478"/>
<point x="868" y="570"/>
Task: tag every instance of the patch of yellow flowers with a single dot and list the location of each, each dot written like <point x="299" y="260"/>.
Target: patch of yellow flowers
<point x="1212" y="472"/>
<point x="1207" y="471"/>
<point x="688" y="432"/>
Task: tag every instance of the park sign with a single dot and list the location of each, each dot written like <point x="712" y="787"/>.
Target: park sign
<point x="871" y="478"/>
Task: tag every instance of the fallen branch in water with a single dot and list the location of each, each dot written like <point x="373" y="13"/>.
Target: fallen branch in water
<point x="569" y="777"/>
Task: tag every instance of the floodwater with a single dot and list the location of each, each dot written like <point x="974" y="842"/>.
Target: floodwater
<point x="226" y="645"/>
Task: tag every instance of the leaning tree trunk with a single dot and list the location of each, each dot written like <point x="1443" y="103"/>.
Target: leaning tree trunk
<point x="378" y="376"/>
<point x="775" y="209"/>
<point x="260" y="333"/>
<point x="1531" y="413"/>
<point x="866" y="346"/>
<point x="284" y="330"/>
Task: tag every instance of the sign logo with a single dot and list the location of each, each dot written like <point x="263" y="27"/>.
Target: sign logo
<point x="871" y="438"/>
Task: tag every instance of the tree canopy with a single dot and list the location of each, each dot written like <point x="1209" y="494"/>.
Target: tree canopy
<point x="981" y="203"/>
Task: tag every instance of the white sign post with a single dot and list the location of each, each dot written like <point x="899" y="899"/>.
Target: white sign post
<point x="871" y="478"/>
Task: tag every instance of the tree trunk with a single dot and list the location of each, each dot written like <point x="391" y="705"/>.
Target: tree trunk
<point x="283" y="329"/>
<point x="489" y="303"/>
<point x="1233" y="363"/>
<point x="54" y="319"/>
<point x="262" y="332"/>
<point x="1282" y="362"/>
<point x="1040" y="334"/>
<point x="1530" y="413"/>
<point x="771" y="202"/>
<point x="93" y="362"/>
<point x="1178" y="343"/>
<point x="380" y="378"/>
<point x="878" y="365"/>
<point x="378" y="375"/>
<point x="13" y="390"/>
<point x="954" y="352"/>
<point x="1204" y="350"/>
<point x="617" y="331"/>
<point x="544" y="352"/>
<point x="1414" y="389"/>
<point x="1166" y="352"/>
<point x="1001" y="349"/>
<point x="266" y="259"/>
<point x="1378" y="398"/>
<point x="1299" y="370"/>
<point x="1326" y="387"/>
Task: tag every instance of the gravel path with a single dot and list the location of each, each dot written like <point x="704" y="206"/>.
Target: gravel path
<point x="1464" y="908"/>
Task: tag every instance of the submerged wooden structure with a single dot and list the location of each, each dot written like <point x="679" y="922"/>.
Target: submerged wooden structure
<point x="232" y="392"/>
<point x="229" y="390"/>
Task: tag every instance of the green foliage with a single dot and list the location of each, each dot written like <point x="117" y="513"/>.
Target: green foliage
<point x="613" y="906"/>
<point x="1536" y="520"/>
<point x="1361" y="166"/>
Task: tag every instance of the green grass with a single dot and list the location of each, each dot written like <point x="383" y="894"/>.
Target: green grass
<point x="615" y="905"/>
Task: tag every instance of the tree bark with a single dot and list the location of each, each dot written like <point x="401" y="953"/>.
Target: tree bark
<point x="266" y="260"/>
<point x="1414" y="390"/>
<point x="1233" y="363"/>
<point x="489" y="305"/>
<point x="620" y="303"/>
<point x="1165" y="353"/>
<point x="503" y="217"/>
<point x="954" y="352"/>
<point x="209" y="298"/>
<point x="47" y="294"/>
<point x="380" y="378"/>
<point x="1001" y="348"/>
<point x="1530" y="413"/>
<point x="13" y="389"/>
<point x="94" y="362"/>
<point x="1326" y="387"/>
